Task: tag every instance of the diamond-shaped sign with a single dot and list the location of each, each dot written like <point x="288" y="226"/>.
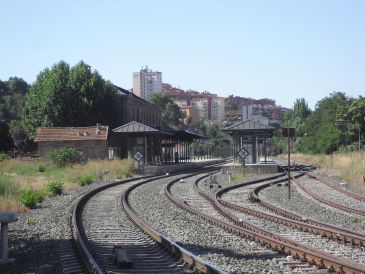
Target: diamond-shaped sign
<point x="243" y="153"/>
<point x="138" y="156"/>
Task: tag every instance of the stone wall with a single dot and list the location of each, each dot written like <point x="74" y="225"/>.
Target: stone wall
<point x="94" y="149"/>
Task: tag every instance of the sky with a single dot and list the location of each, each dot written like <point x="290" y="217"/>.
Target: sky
<point x="275" y="49"/>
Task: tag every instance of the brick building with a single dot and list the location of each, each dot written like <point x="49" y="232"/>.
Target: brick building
<point x="93" y="141"/>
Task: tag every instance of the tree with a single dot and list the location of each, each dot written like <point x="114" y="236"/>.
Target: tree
<point x="70" y="97"/>
<point x="171" y="113"/>
<point x="12" y="97"/>
<point x="321" y="132"/>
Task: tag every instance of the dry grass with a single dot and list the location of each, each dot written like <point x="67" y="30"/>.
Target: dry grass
<point x="16" y="175"/>
<point x="349" y="166"/>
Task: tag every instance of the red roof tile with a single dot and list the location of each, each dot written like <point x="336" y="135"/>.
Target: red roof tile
<point x="45" y="134"/>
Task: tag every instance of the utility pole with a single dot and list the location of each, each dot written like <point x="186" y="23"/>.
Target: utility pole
<point x="288" y="132"/>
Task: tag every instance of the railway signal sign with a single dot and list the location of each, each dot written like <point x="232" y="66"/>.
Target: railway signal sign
<point x="243" y="153"/>
<point x="138" y="156"/>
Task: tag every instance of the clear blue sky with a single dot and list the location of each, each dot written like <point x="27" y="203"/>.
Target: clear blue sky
<point x="277" y="49"/>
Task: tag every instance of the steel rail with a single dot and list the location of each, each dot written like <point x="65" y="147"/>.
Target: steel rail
<point x="339" y="189"/>
<point x="78" y="231"/>
<point x="330" y="203"/>
<point x="297" y="221"/>
<point x="170" y="246"/>
<point x="275" y="241"/>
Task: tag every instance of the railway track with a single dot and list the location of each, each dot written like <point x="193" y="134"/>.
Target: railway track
<point x="336" y="197"/>
<point x="337" y="261"/>
<point x="104" y="223"/>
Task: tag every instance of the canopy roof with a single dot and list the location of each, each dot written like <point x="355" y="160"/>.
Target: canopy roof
<point x="139" y="129"/>
<point x="250" y="128"/>
<point x="135" y="127"/>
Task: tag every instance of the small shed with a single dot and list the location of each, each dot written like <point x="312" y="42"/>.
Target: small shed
<point x="93" y="141"/>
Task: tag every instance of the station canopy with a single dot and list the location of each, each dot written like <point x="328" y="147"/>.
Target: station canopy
<point x="250" y="128"/>
<point x="138" y="129"/>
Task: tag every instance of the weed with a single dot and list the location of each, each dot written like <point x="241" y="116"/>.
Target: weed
<point x="29" y="197"/>
<point x="7" y="187"/>
<point x="239" y="176"/>
<point x="85" y="180"/>
<point x="355" y="219"/>
<point x="128" y="174"/>
<point x="55" y="188"/>
<point x="4" y="156"/>
<point x="31" y="221"/>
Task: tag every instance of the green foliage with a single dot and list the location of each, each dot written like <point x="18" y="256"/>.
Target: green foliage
<point x="85" y="180"/>
<point x="41" y="168"/>
<point x="55" y="188"/>
<point x="335" y="125"/>
<point x="64" y="96"/>
<point x="4" y="156"/>
<point x="171" y="114"/>
<point x="12" y="97"/>
<point x="355" y="219"/>
<point x="31" y="221"/>
<point x="239" y="176"/>
<point x="128" y="174"/>
<point x="66" y="156"/>
<point x="29" y="197"/>
<point x="6" y="143"/>
<point x="7" y="187"/>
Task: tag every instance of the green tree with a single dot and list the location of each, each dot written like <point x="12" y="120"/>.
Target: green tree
<point x="64" y="96"/>
<point x="321" y="133"/>
<point x="171" y="113"/>
<point x="12" y="97"/>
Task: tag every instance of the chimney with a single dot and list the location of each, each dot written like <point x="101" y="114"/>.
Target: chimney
<point x="97" y="128"/>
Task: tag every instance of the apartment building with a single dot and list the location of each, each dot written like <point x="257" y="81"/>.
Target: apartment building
<point x="146" y="82"/>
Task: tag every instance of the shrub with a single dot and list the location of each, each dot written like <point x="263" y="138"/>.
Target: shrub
<point x="66" y="156"/>
<point x="41" y="168"/>
<point x="29" y="198"/>
<point x="4" y="156"/>
<point x="55" y="188"/>
<point x="85" y="180"/>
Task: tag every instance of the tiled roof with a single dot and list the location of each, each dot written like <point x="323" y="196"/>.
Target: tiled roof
<point x="45" y="134"/>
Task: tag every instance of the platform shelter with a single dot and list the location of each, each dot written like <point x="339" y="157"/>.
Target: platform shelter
<point x="252" y="137"/>
<point x="155" y="146"/>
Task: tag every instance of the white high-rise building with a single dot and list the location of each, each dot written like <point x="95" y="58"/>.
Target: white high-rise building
<point x="146" y="82"/>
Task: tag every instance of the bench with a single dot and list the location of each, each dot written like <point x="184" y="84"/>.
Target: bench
<point x="5" y="218"/>
<point x="121" y="258"/>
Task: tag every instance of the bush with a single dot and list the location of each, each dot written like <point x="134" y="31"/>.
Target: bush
<point x="55" y="188"/>
<point x="85" y="180"/>
<point x="66" y="156"/>
<point x="41" y="168"/>
<point x="4" y="156"/>
<point x="29" y="198"/>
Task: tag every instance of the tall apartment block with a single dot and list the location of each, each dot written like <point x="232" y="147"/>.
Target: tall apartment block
<point x="146" y="82"/>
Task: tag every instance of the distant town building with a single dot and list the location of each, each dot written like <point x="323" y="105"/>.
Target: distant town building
<point x="210" y="107"/>
<point x="146" y="82"/>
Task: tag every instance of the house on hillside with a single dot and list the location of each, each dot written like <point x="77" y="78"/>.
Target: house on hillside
<point x="93" y="141"/>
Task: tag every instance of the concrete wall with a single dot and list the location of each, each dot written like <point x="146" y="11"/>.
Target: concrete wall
<point x="94" y="149"/>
